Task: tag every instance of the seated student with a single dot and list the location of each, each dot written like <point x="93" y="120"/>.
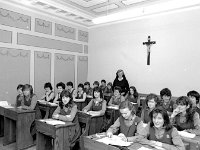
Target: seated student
<point x="166" y="102"/>
<point x="67" y="111"/>
<point x="194" y="98"/>
<point x="117" y="98"/>
<point x="184" y="117"/>
<point x="96" y="84"/>
<point x="60" y="87"/>
<point x="97" y="104"/>
<point x="49" y="94"/>
<point x="132" y="96"/>
<point x="29" y="102"/>
<point x="89" y="91"/>
<point x="20" y="95"/>
<point x="70" y="88"/>
<point x="160" y="133"/>
<point x="128" y="124"/>
<point x="80" y="97"/>
<point x="108" y="92"/>
<point x="103" y="85"/>
<point x="152" y="101"/>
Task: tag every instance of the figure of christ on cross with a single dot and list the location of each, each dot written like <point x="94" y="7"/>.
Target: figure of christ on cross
<point x="148" y="44"/>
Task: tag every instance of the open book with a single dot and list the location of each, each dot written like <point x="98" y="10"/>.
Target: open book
<point x="114" y="140"/>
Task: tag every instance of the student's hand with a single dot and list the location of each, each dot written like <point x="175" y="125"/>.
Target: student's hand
<point x="175" y="112"/>
<point x="109" y="134"/>
<point x="156" y="144"/>
<point x="123" y="137"/>
<point x="55" y="116"/>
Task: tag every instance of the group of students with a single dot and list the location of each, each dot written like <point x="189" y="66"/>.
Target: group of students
<point x="163" y="116"/>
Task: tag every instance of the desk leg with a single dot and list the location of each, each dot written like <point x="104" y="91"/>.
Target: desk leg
<point x="24" y="138"/>
<point x="9" y="131"/>
<point x="43" y="142"/>
<point x="1" y="125"/>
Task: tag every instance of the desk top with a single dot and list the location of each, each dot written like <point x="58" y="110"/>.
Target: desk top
<point x="49" y="129"/>
<point x="16" y="110"/>
<point x="90" y="143"/>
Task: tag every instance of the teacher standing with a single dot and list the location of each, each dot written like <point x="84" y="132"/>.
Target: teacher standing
<point x="121" y="81"/>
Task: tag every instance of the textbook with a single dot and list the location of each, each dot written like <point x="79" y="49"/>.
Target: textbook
<point x="114" y="140"/>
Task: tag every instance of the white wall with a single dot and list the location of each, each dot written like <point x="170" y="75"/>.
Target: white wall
<point x="8" y="90"/>
<point x="175" y="58"/>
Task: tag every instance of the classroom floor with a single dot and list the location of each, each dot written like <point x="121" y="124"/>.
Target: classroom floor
<point x="12" y="146"/>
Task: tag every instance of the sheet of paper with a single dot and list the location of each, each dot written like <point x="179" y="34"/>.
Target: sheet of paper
<point x="115" y="140"/>
<point x="55" y="122"/>
<point x="113" y="107"/>
<point x="144" y="148"/>
<point x="186" y="134"/>
<point x="53" y="104"/>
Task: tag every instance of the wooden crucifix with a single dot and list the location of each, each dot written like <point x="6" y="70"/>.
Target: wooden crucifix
<point x="148" y="44"/>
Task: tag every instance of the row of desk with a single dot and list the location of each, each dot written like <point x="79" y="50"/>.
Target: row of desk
<point x="91" y="143"/>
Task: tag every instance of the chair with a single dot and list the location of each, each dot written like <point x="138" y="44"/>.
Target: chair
<point x="84" y="121"/>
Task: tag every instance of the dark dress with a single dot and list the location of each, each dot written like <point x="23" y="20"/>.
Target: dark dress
<point x="76" y="129"/>
<point x="123" y="84"/>
<point x="27" y="102"/>
<point x="166" y="138"/>
<point x="96" y="122"/>
<point x="80" y="105"/>
<point x="129" y="131"/>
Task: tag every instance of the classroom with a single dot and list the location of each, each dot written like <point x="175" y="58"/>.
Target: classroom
<point x="79" y="66"/>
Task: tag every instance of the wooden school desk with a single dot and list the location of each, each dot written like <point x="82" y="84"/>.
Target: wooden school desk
<point x="90" y="143"/>
<point x="17" y="123"/>
<point x="114" y="114"/>
<point x="194" y="143"/>
<point x="96" y="124"/>
<point x="47" y="107"/>
<point x="59" y="134"/>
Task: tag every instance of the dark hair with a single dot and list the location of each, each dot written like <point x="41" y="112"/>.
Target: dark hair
<point x="29" y="87"/>
<point x="120" y="70"/>
<point x="109" y="83"/>
<point x="194" y="94"/>
<point x="60" y="84"/>
<point x="118" y="88"/>
<point x="103" y="81"/>
<point x="135" y="94"/>
<point x="96" y="83"/>
<point x="81" y="85"/>
<point x="165" y="92"/>
<point x="129" y="105"/>
<point x="184" y="100"/>
<point x="66" y="94"/>
<point x="48" y="85"/>
<point x="87" y="83"/>
<point x="20" y="86"/>
<point x="98" y="89"/>
<point x="163" y="112"/>
<point x="69" y="84"/>
<point x="152" y="96"/>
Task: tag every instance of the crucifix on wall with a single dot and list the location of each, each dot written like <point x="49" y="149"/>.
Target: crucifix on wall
<point x="148" y="44"/>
